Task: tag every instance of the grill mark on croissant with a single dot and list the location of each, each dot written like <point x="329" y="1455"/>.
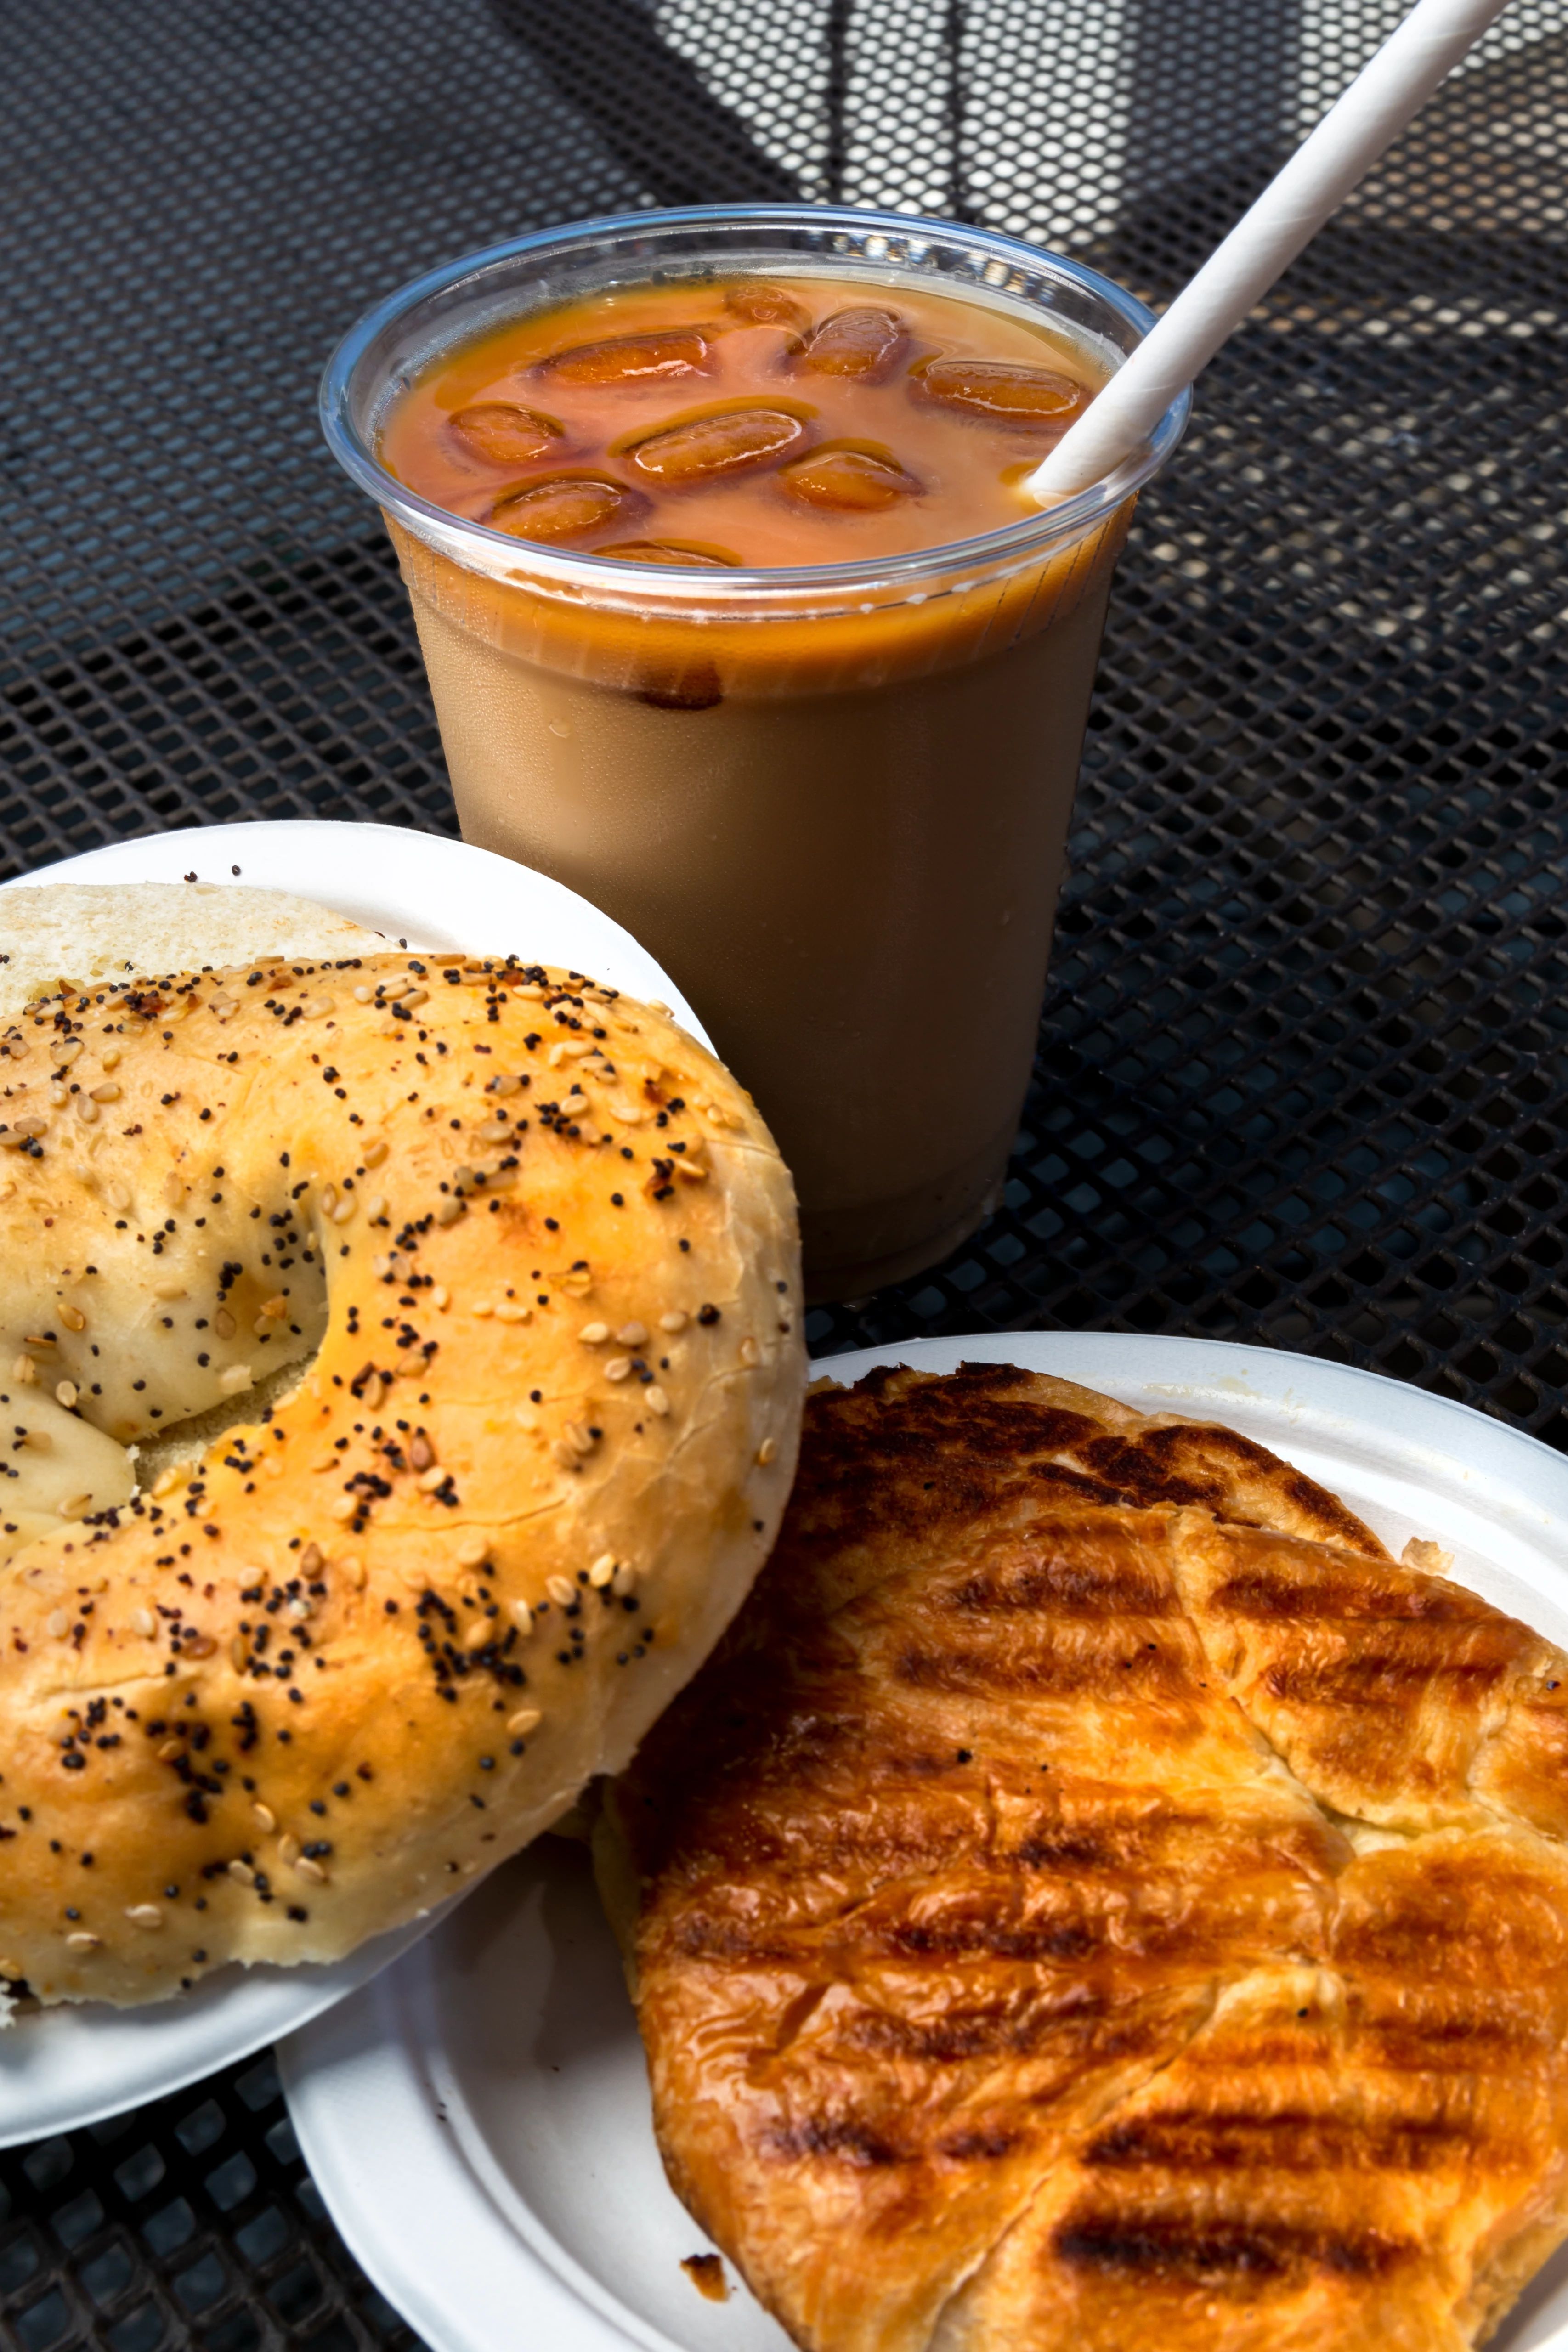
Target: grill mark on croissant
<point x="1289" y="2140"/>
<point x="826" y="1824"/>
<point x="1011" y="1668"/>
<point x="995" y="1939"/>
<point x="848" y="2141"/>
<point x="1408" y="2044"/>
<point x="1070" y="1588"/>
<point x="1332" y="1600"/>
<point x="1219" y="2252"/>
<point x="1017" y="2028"/>
<point x="1380" y="1679"/>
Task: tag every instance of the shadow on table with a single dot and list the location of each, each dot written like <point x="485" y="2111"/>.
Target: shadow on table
<point x="608" y="61"/>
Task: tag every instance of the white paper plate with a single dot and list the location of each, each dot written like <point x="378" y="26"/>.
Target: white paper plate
<point x="66" y="2066"/>
<point x="478" y="2118"/>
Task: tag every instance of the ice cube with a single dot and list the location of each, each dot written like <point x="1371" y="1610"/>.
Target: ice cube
<point x="692" y="685"/>
<point x="1001" y="392"/>
<point x="567" y="506"/>
<point x="658" y="356"/>
<point x="854" y="481"/>
<point x="706" y="447"/>
<point x="756" y="303"/>
<point x="504" y="435"/>
<point x="853" y="342"/>
<point x="669" y="550"/>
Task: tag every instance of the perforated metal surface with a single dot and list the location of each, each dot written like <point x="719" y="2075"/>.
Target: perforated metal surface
<point x="1303" y="1073"/>
<point x="191" y="2222"/>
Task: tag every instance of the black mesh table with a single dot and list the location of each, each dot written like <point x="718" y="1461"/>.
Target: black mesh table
<point x="1303" y="1069"/>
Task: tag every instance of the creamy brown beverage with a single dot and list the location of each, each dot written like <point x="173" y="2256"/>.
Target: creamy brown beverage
<point x="766" y="652"/>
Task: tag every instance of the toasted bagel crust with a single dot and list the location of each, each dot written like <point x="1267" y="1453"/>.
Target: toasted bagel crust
<point x="369" y="1643"/>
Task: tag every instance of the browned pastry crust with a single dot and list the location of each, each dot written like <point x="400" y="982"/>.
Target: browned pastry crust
<point x="311" y="1680"/>
<point x="1095" y="1897"/>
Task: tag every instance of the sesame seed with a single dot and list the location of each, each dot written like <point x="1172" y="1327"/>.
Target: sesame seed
<point x="603" y="1569"/>
<point x="526" y="1719"/>
<point x="561" y="1591"/>
<point x="594" y="1335"/>
<point x="656" y="1401"/>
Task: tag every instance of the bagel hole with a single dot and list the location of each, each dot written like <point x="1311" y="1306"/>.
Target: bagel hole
<point x="187" y="1441"/>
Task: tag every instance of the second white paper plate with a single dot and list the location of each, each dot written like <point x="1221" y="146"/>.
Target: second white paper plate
<point x="478" y="2118"/>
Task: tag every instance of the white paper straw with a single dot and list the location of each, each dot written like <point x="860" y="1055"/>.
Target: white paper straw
<point x="1324" y="169"/>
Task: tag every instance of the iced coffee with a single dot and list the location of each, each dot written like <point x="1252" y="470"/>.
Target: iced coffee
<point x="738" y="620"/>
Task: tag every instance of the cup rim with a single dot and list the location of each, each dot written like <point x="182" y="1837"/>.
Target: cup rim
<point x="542" y="567"/>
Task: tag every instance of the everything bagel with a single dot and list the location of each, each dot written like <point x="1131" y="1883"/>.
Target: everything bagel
<point x="506" y="1267"/>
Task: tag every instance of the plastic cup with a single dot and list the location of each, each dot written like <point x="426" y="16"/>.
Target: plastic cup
<point x="832" y="801"/>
